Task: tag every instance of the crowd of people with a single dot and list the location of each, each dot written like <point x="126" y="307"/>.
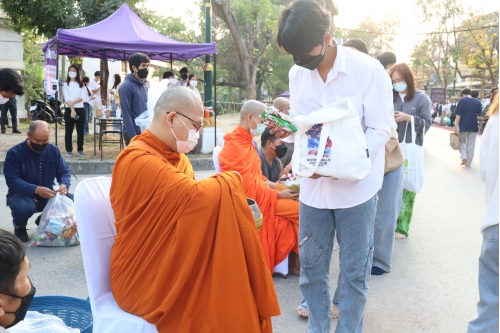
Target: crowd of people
<point x="223" y="260"/>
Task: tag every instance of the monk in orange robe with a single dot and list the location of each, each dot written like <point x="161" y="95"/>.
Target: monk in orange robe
<point x="280" y="226"/>
<point x="187" y="255"/>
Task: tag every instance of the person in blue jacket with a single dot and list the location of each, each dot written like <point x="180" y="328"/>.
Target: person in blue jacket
<point x="30" y="169"/>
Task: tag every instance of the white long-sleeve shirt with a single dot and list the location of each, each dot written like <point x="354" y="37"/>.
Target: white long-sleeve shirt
<point x="73" y="92"/>
<point x="489" y="170"/>
<point x="363" y="81"/>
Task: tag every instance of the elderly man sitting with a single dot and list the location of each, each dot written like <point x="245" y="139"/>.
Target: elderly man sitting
<point x="279" y="232"/>
<point x="30" y="169"/>
<point x="184" y="248"/>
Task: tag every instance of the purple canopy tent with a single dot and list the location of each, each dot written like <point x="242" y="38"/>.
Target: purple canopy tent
<point x="285" y="94"/>
<point x="120" y="36"/>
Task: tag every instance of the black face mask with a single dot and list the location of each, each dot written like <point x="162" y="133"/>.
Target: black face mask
<point x="184" y="76"/>
<point x="311" y="62"/>
<point x="281" y="150"/>
<point x="23" y="308"/>
<point x="38" y="147"/>
<point x="143" y="73"/>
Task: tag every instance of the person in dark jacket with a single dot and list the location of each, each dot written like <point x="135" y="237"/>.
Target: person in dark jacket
<point x="134" y="95"/>
<point x="30" y="169"/>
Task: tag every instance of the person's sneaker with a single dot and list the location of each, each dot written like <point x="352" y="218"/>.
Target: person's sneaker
<point x="37" y="221"/>
<point x="81" y="153"/>
<point x="69" y="154"/>
<point x="21" y="234"/>
<point x="3" y="131"/>
<point x="377" y="270"/>
<point x="16" y="131"/>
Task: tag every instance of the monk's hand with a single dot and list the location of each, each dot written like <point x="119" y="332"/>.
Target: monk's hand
<point x="288" y="194"/>
<point x="45" y="192"/>
<point x="63" y="190"/>
<point x="278" y="132"/>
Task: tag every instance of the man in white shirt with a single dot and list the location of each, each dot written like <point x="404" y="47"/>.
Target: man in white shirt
<point x="326" y="73"/>
<point x="184" y="73"/>
<point x="95" y="88"/>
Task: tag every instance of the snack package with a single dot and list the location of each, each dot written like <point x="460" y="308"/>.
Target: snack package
<point x="278" y="119"/>
<point x="290" y="181"/>
<point x="58" y="224"/>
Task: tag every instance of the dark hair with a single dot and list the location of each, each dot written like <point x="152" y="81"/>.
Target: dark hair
<point x="167" y="75"/>
<point x="466" y="91"/>
<point x="10" y="80"/>
<point x="358" y="44"/>
<point x="12" y="253"/>
<point x="475" y="93"/>
<point x="387" y="58"/>
<point x="118" y="80"/>
<point x="97" y="73"/>
<point x="493" y="92"/>
<point x="77" y="78"/>
<point x="405" y="71"/>
<point x="184" y="70"/>
<point x="425" y="87"/>
<point x="302" y="27"/>
<point x="137" y="59"/>
<point x="85" y="80"/>
<point x="266" y="136"/>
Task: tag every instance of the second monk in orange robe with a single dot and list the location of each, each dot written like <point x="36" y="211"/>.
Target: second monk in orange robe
<point x="279" y="233"/>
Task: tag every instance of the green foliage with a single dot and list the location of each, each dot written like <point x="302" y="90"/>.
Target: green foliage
<point x="33" y="72"/>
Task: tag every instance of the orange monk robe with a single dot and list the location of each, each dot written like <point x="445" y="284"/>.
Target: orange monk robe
<point x="279" y="233"/>
<point x="187" y="256"/>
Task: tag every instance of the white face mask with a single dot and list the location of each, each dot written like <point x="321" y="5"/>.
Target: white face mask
<point x="185" y="146"/>
<point x="113" y="80"/>
<point x="387" y="71"/>
<point x="72" y="75"/>
<point x="172" y="80"/>
<point x="193" y="83"/>
<point x="3" y="100"/>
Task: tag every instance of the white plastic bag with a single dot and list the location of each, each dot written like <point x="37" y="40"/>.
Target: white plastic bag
<point x="35" y="322"/>
<point x="144" y="120"/>
<point x="154" y="92"/>
<point x="331" y="142"/>
<point x="414" y="170"/>
<point x="57" y="224"/>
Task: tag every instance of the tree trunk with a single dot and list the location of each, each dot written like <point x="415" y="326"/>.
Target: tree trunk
<point x="240" y="98"/>
<point x="104" y="80"/>
<point x="230" y="99"/>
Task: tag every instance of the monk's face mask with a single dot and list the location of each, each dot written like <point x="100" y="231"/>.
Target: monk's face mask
<point x="185" y="146"/>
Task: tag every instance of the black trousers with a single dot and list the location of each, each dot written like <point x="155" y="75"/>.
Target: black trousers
<point x="80" y="127"/>
<point x="11" y="106"/>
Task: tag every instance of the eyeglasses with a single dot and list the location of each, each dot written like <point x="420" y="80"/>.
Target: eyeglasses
<point x="196" y="124"/>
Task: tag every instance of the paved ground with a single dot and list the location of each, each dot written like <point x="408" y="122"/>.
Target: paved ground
<point x="432" y="287"/>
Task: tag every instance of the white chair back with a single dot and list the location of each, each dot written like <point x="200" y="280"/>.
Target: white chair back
<point x="97" y="235"/>
<point x="215" y="158"/>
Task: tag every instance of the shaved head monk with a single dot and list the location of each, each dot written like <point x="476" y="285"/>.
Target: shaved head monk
<point x="282" y="104"/>
<point x="187" y="256"/>
<point x="280" y="226"/>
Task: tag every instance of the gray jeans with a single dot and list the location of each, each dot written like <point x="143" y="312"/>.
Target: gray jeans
<point x="487" y="307"/>
<point x="467" y="145"/>
<point x="354" y="228"/>
<point x="390" y="198"/>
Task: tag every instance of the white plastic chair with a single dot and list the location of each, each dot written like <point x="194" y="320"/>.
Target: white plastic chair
<point x="97" y="235"/>
<point x="215" y="158"/>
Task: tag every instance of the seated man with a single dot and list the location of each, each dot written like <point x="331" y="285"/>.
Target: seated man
<point x="30" y="169"/>
<point x="283" y="105"/>
<point x="184" y="248"/>
<point x="272" y="149"/>
<point x="16" y="290"/>
<point x="279" y="232"/>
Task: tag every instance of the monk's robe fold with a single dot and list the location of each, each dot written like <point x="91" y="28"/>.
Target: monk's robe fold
<point x="279" y="233"/>
<point x="187" y="256"/>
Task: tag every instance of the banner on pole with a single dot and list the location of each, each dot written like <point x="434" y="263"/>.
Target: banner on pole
<point x="50" y="69"/>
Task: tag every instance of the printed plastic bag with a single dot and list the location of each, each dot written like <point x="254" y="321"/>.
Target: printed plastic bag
<point x="57" y="224"/>
<point x="414" y="170"/>
<point x="331" y="142"/>
<point x="35" y="322"/>
<point x="144" y="120"/>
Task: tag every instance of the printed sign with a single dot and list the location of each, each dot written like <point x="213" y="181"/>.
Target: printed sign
<point x="438" y="95"/>
<point x="50" y="69"/>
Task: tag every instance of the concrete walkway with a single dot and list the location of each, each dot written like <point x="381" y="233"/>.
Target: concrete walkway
<point x="433" y="284"/>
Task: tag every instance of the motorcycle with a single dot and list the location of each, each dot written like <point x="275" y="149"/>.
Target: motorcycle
<point x="46" y="111"/>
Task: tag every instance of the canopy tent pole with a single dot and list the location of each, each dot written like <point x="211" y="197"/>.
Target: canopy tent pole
<point x="171" y="63"/>
<point x="58" y="89"/>
<point x="215" y="99"/>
